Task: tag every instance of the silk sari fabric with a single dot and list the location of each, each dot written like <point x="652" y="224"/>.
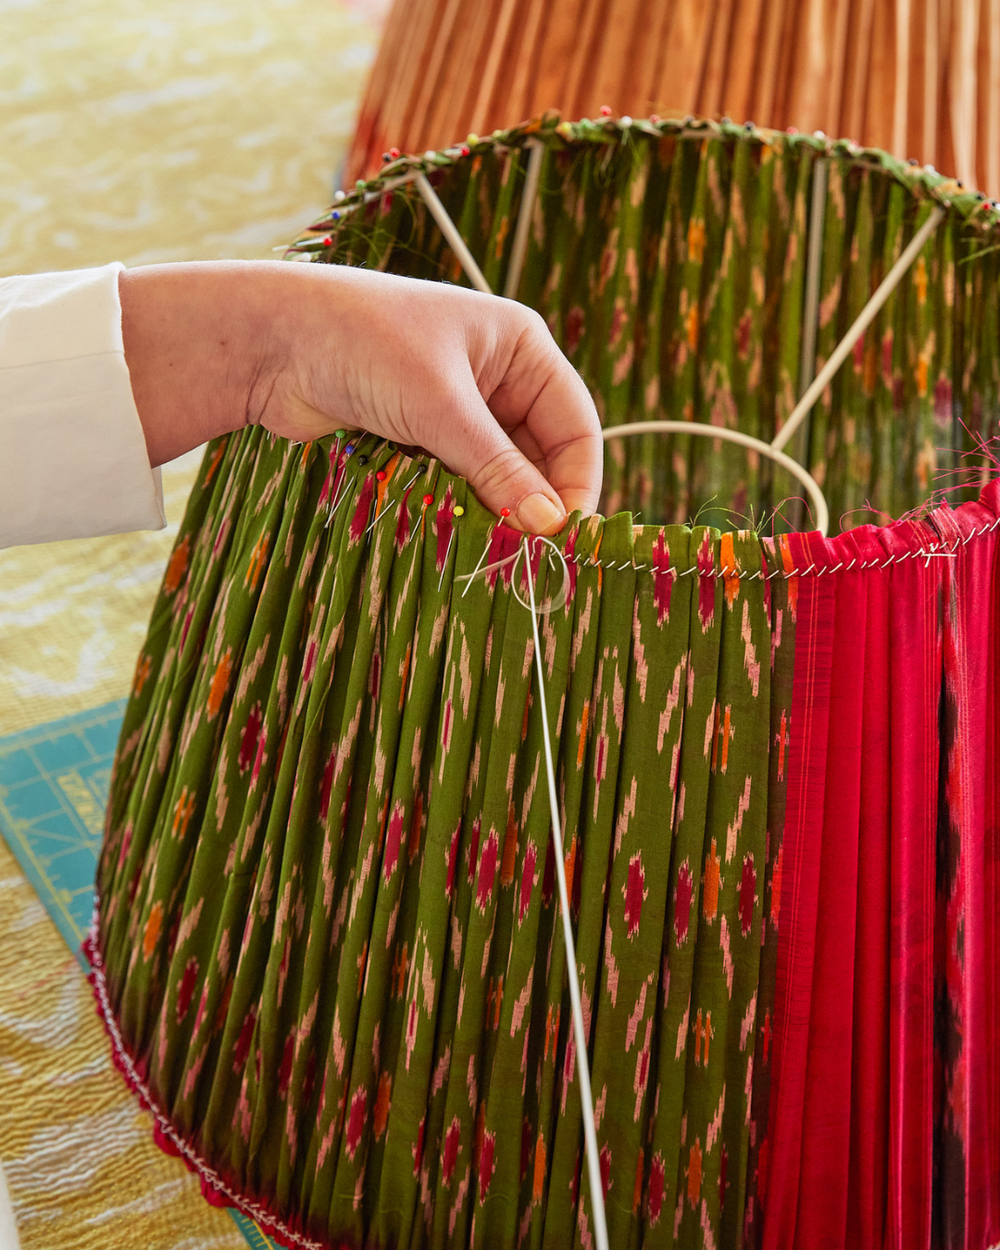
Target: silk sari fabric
<point x="883" y="1090"/>
<point x="327" y="946"/>
<point x="327" y="920"/>
<point x="670" y="264"/>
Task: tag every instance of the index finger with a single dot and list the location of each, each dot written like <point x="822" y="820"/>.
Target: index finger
<point x="546" y="410"/>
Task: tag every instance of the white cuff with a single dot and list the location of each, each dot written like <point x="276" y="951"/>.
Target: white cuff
<point x="8" y="1225"/>
<point x="73" y="460"/>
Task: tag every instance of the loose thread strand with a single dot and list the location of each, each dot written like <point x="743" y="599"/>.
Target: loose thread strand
<point x="586" y="1096"/>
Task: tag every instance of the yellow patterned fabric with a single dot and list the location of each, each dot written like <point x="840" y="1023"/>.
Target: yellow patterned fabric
<point x="78" y="1153"/>
<point x="195" y="130"/>
<point x="191" y="130"/>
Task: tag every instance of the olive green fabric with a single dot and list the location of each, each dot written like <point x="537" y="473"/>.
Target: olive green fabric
<point x="328" y="917"/>
<point x="669" y="261"/>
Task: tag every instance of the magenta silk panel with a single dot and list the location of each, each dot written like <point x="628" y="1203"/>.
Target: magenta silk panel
<point x="884" y="1122"/>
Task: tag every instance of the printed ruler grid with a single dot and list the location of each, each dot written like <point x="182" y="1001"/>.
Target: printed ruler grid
<point x="53" y="792"/>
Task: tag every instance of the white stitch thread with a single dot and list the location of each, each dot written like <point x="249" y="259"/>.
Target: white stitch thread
<point x="743" y="574"/>
<point x="586" y="1097"/>
<point x="811" y="570"/>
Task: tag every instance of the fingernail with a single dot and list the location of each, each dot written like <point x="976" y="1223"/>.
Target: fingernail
<point x="538" y="514"/>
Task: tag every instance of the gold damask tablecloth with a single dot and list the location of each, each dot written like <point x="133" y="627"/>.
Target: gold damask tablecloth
<point x="194" y="129"/>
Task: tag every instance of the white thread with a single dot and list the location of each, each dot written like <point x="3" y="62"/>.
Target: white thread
<point x="694" y="570"/>
<point x="552" y="604"/>
<point x="745" y="575"/>
<point x="586" y="1097"/>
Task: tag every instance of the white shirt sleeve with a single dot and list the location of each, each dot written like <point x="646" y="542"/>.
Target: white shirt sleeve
<point x="73" y="459"/>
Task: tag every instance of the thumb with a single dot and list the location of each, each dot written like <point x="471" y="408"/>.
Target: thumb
<point x="475" y="446"/>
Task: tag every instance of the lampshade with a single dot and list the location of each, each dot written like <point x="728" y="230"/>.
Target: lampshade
<point x="328" y="945"/>
<point x="918" y="78"/>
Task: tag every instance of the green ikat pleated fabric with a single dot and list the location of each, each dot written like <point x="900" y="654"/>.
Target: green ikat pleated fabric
<point x="671" y="262"/>
<point x="328" y="945"/>
<point x="328" y="910"/>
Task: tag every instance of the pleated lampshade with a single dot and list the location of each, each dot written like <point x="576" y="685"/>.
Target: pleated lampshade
<point x="328" y="945"/>
<point x="919" y="78"/>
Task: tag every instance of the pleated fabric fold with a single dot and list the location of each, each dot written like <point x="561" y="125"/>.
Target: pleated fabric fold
<point x="327" y="933"/>
<point x="327" y="943"/>
<point x="873" y="1137"/>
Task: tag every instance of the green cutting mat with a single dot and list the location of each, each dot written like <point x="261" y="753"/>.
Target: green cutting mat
<point x="53" y="792"/>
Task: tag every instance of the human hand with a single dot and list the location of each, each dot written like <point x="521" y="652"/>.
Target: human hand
<point x="306" y="349"/>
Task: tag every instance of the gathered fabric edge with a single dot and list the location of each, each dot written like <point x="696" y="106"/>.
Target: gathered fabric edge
<point x="215" y="1190"/>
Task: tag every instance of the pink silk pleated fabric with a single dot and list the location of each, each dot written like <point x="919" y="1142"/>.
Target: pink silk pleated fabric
<point x="884" y="1121"/>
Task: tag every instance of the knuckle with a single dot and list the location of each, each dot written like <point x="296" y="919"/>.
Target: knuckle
<point x="533" y="323"/>
<point x="502" y="467"/>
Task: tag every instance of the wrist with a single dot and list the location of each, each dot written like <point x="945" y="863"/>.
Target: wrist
<point x="193" y="346"/>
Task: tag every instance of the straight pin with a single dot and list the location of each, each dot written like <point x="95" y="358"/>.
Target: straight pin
<point x="381" y="516"/>
<point x="472" y="575"/>
<point x="341" y="495"/>
<point x="456" y="512"/>
<point x="428" y="500"/>
<point x="419" y="473"/>
<point x="444" y="567"/>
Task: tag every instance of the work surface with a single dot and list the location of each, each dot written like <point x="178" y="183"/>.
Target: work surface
<point x="78" y="1153"/>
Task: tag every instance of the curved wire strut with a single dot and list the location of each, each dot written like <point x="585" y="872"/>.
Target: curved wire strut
<point x="797" y="471"/>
